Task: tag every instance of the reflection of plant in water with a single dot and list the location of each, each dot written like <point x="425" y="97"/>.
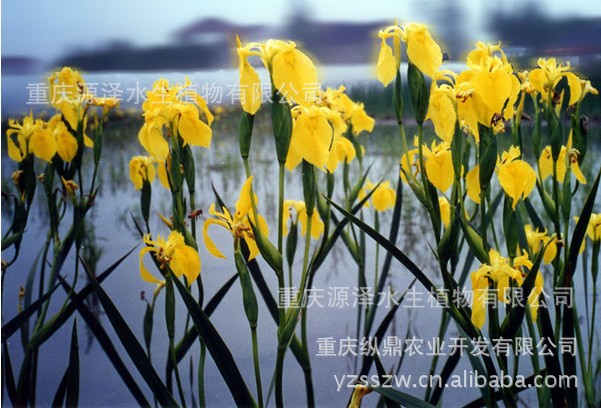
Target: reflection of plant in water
<point x="473" y="199"/>
<point x="91" y="251"/>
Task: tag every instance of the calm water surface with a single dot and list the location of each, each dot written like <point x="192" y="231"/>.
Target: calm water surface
<point x="220" y="166"/>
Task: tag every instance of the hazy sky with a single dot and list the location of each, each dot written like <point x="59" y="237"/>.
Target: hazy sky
<point x="47" y="29"/>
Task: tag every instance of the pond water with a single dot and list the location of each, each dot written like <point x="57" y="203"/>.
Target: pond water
<point x="114" y="234"/>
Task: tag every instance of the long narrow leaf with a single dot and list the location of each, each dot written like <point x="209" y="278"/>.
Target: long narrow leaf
<point x="388" y="246"/>
<point x="16" y="322"/>
<point x="579" y="232"/>
<point x="514" y="318"/>
<point x="551" y="358"/>
<point x="191" y="335"/>
<point x="8" y="378"/>
<point x="219" y="351"/>
<point x="72" y="394"/>
<point x="132" y="346"/>
<point x="109" y="349"/>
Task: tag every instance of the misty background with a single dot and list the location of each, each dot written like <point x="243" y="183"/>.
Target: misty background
<point x="188" y="35"/>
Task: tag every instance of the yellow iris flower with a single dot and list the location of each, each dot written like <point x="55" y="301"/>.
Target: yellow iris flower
<point x="66" y="143"/>
<point x="567" y="156"/>
<point x="178" y="107"/>
<point x="383" y="198"/>
<point x="442" y="111"/>
<point x="594" y="227"/>
<point x="317" y="226"/>
<point x="238" y="224"/>
<point x="313" y="133"/>
<point x="43" y="139"/>
<point x="488" y="90"/>
<point x="537" y="240"/>
<point x="516" y="176"/>
<point x="68" y="93"/>
<point x="342" y="151"/>
<point x="352" y="113"/>
<point x="32" y="136"/>
<point x="422" y="51"/>
<point x="292" y="72"/>
<point x="173" y="253"/>
<point x="409" y="164"/>
<point x="141" y="168"/>
<point x="548" y="74"/>
<point x="500" y="272"/>
<point x="439" y="165"/>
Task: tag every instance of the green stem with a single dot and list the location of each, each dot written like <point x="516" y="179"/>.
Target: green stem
<point x="201" y="378"/>
<point x="281" y="209"/>
<point x="594" y="270"/>
<point x="279" y="375"/>
<point x="307" y="368"/>
<point x="255" y="346"/>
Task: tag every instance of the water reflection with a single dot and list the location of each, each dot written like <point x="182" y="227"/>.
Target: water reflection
<point x="111" y="233"/>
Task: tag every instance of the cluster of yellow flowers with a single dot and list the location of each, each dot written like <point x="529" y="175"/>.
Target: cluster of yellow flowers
<point x="485" y="95"/>
<point x="58" y="135"/>
<point x="320" y="117"/>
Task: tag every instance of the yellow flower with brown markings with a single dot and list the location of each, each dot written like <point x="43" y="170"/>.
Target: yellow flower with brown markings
<point x="537" y="240"/>
<point x="141" y="169"/>
<point x="172" y="253"/>
<point x="567" y="157"/>
<point x="546" y="77"/>
<point x="176" y="107"/>
<point x="317" y="225"/>
<point x="237" y="224"/>
<point x="516" y="176"/>
<point x="499" y="273"/>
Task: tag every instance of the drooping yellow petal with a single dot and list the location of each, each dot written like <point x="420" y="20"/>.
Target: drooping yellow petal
<point x="342" y="150"/>
<point x="439" y="168"/>
<point x="442" y="113"/>
<point x="575" y="87"/>
<point x="211" y="247"/>
<point x="250" y="87"/>
<point x="147" y="276"/>
<point x="87" y="142"/>
<point x="578" y="172"/>
<point x="311" y="138"/>
<point x="422" y="50"/>
<point x="295" y="76"/>
<point x="472" y="181"/>
<point x="163" y="176"/>
<point x="533" y="298"/>
<point x="384" y="197"/>
<point x="445" y="210"/>
<point x="193" y="130"/>
<point x="42" y="144"/>
<point x="185" y="261"/>
<point x="152" y="140"/>
<point x="361" y="121"/>
<point x="517" y="179"/>
<point x="140" y="169"/>
<point x="386" y="68"/>
<point x="244" y="204"/>
<point x="545" y="163"/>
<point x="479" y="288"/>
<point x="14" y="152"/>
